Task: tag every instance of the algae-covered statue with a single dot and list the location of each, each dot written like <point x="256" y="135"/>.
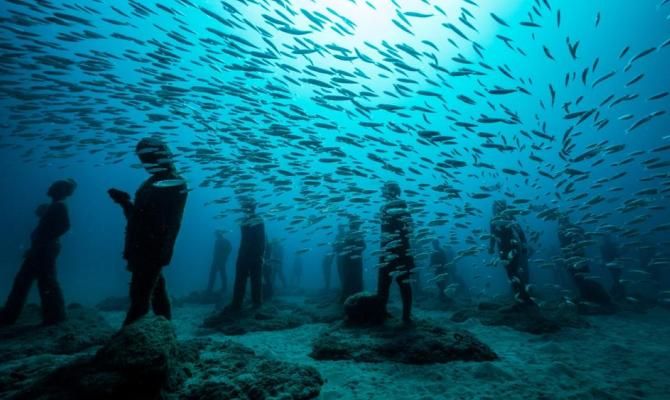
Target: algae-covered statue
<point x="249" y="257"/>
<point x="571" y="238"/>
<point x="39" y="263"/>
<point x="509" y="238"/>
<point x="154" y="220"/>
<point x="396" y="257"/>
<point x="222" y="249"/>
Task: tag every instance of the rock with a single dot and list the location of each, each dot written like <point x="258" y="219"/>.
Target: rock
<point x="547" y="319"/>
<point x="364" y="309"/>
<point x="31" y="351"/>
<point x="114" y="304"/>
<point x="595" y="299"/>
<point x="83" y="329"/>
<point x="421" y="342"/>
<point x="135" y="363"/>
<point x="270" y="317"/>
<point x="142" y="351"/>
<point x="145" y="361"/>
<point x="17" y="375"/>
<point x="231" y="371"/>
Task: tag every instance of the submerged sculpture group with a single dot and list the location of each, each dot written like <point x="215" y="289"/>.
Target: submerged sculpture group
<point x="154" y="218"/>
<point x="153" y="223"/>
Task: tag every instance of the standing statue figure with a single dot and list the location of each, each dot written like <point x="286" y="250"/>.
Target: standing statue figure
<point x="277" y="261"/>
<point x="222" y="249"/>
<point x="268" y="272"/>
<point x="646" y="255"/>
<point x="609" y="252"/>
<point x="273" y="268"/>
<point x="326" y="267"/>
<point x="153" y="224"/>
<point x="571" y="237"/>
<point x="352" y="262"/>
<point x="250" y="257"/>
<point x="340" y="257"/>
<point x="396" y="257"/>
<point x="438" y="263"/>
<point x="296" y="272"/>
<point x="39" y="263"/>
<point x="508" y="237"/>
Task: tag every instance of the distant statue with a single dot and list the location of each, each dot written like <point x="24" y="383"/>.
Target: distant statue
<point x="457" y="287"/>
<point x="396" y="257"/>
<point x="353" y="246"/>
<point x="249" y="266"/>
<point x="268" y="272"/>
<point x="296" y="273"/>
<point x="273" y="268"/>
<point x="326" y="267"/>
<point x="39" y="263"/>
<point x="340" y="257"/>
<point x="646" y="255"/>
<point x="508" y="237"/>
<point x="277" y="261"/>
<point x="222" y="249"/>
<point x="609" y="252"/>
<point x="438" y="263"/>
<point x="571" y="238"/>
<point x="154" y="220"/>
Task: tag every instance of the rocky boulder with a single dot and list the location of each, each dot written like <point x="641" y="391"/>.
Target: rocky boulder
<point x="230" y="371"/>
<point x="145" y="361"/>
<point x="270" y="317"/>
<point x="135" y="363"/>
<point x="549" y="318"/>
<point x="364" y="309"/>
<point x="84" y="328"/>
<point x="421" y="342"/>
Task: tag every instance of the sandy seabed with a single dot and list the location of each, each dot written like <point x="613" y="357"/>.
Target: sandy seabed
<point x="625" y="356"/>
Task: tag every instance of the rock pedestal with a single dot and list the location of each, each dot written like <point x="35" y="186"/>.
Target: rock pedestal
<point x="421" y="342"/>
<point x="531" y="319"/>
<point x="364" y="309"/>
<point x="145" y="361"/>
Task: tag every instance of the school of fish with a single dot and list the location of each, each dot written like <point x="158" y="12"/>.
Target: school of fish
<point x="254" y="102"/>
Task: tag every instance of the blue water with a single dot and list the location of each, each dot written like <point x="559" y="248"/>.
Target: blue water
<point x="44" y="107"/>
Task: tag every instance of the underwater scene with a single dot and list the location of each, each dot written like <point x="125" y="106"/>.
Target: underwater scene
<point x="334" y="199"/>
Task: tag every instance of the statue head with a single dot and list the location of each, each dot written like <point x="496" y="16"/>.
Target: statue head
<point x="154" y="155"/>
<point x="391" y="190"/>
<point x="499" y="206"/>
<point x="248" y="205"/>
<point x="62" y="189"/>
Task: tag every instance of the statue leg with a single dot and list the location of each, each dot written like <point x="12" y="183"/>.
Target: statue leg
<point x="17" y="297"/>
<point x="212" y="278"/>
<point x="240" y="286"/>
<point x="51" y="295"/>
<point x="384" y="284"/>
<point x="142" y="285"/>
<point x="405" y="294"/>
<point x="160" y="300"/>
<point x="256" y="277"/>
